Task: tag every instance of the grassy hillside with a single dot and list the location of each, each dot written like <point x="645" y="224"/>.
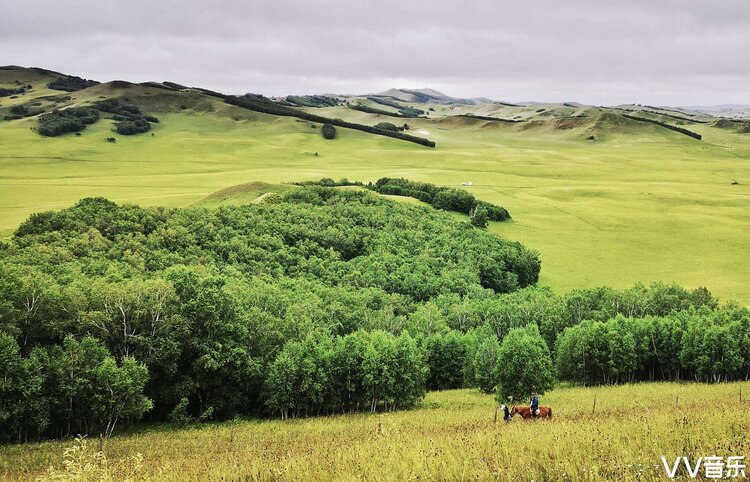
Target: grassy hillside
<point x="451" y="437"/>
<point x="638" y="202"/>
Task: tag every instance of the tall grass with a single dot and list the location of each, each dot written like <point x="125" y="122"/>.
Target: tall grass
<point x="451" y="437"/>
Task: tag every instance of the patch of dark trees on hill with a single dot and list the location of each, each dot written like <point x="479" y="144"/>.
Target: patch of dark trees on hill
<point x="73" y="119"/>
<point x="489" y="118"/>
<point x="405" y="113"/>
<point x="7" y="92"/>
<point x="440" y="197"/>
<point x="20" y="111"/>
<point x="264" y="105"/>
<point x="174" y="85"/>
<point x="405" y="110"/>
<point x="312" y="100"/>
<point x="681" y="130"/>
<point x="130" y="119"/>
<point x="71" y="83"/>
<point x="677" y="117"/>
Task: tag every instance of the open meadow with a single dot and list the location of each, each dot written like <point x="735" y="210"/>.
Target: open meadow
<point x="452" y="436"/>
<point x="647" y="206"/>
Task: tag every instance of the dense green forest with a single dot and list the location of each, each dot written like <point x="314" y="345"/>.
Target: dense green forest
<point x="206" y="299"/>
<point x="315" y="301"/>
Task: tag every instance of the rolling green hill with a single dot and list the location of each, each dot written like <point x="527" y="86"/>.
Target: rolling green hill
<point x="605" y="199"/>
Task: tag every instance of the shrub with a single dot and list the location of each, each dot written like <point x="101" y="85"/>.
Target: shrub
<point x="328" y="131"/>
<point x="387" y="126"/>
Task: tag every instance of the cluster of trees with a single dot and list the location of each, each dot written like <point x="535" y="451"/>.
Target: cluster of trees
<point x="259" y="103"/>
<point x="316" y="301"/>
<point x="73" y="119"/>
<point x="5" y="92"/>
<point x="312" y="100"/>
<point x="405" y="110"/>
<point x="71" y="83"/>
<point x="681" y="130"/>
<point x="73" y="387"/>
<point x="130" y="119"/>
<point x="355" y="372"/>
<point x="702" y="345"/>
<point x="446" y="198"/>
<point x="328" y="131"/>
<point x="20" y="111"/>
<point x="207" y="299"/>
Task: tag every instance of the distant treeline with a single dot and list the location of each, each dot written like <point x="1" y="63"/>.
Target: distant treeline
<point x="313" y="100"/>
<point x="697" y="121"/>
<point x="704" y="345"/>
<point x="440" y="197"/>
<point x="681" y="130"/>
<point x="488" y="118"/>
<point x="261" y="104"/>
<point x="403" y="109"/>
<point x="71" y="83"/>
<point x="373" y="110"/>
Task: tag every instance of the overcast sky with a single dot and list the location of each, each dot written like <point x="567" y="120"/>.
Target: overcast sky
<point x="670" y="52"/>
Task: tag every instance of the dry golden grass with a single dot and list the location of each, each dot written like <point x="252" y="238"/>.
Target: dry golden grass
<point x="452" y="437"/>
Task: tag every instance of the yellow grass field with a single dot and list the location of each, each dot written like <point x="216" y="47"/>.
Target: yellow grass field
<point x="451" y="437"/>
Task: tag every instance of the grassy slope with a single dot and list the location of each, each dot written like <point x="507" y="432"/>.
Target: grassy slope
<point x="640" y="203"/>
<point x="452" y="437"/>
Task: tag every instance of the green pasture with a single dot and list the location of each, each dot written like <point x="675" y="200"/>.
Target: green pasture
<point x="641" y="204"/>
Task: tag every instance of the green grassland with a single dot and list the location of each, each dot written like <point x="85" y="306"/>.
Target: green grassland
<point x="638" y="203"/>
<point x="453" y="436"/>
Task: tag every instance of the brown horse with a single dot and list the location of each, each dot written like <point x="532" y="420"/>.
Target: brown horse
<point x="525" y="412"/>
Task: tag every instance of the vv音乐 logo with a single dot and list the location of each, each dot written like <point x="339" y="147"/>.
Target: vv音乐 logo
<point x="713" y="467"/>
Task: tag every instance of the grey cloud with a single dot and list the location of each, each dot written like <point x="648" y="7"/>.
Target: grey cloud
<point x="601" y="52"/>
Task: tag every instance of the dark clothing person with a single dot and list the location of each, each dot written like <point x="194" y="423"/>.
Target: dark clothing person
<point x="534" y="404"/>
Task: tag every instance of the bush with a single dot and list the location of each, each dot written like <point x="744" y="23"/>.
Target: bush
<point x="387" y="126"/>
<point x="328" y="131"/>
